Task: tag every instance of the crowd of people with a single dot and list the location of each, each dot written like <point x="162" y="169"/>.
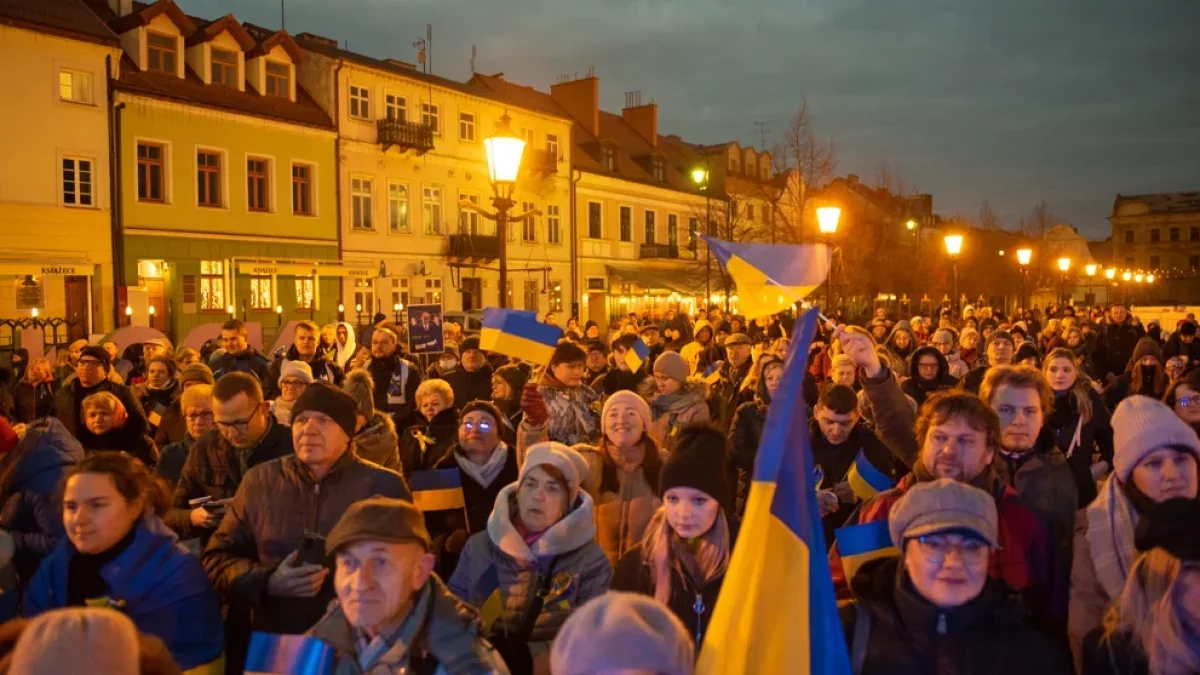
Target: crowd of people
<point x="1037" y="475"/>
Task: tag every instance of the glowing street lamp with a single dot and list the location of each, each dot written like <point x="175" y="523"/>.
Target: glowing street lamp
<point x="911" y="224"/>
<point x="1127" y="276"/>
<point x="1110" y="273"/>
<point x="1139" y="277"/>
<point x="1024" y="256"/>
<point x="954" y="246"/>
<point x="827" y="223"/>
<point x="504" y="152"/>
<point x="1064" y="264"/>
<point x="1149" y="278"/>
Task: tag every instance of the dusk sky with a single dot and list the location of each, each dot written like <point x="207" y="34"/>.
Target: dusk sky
<point x="1011" y="101"/>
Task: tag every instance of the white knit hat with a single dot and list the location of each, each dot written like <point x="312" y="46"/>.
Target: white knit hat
<point x="297" y="369"/>
<point x="1142" y="425"/>
<point x="631" y="398"/>
<point x="570" y="463"/>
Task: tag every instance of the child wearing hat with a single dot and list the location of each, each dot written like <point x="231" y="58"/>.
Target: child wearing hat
<point x="675" y="400"/>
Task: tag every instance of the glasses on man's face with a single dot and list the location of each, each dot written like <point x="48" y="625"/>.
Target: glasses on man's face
<point x="239" y="426"/>
<point x="200" y="417"/>
<point x="482" y="427"/>
<point x="87" y="363"/>
<point x="293" y="384"/>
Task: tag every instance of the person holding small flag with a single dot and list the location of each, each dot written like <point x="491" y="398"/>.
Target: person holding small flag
<point x="559" y="407"/>
<point x="935" y="608"/>
<point x="393" y="614"/>
<point x="627" y="373"/>
<point x="537" y="561"/>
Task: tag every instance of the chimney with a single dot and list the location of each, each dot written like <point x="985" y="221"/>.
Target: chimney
<point x="319" y="39"/>
<point x="121" y="7"/>
<point x="581" y="99"/>
<point x="643" y="118"/>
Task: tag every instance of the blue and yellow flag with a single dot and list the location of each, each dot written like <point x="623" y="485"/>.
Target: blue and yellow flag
<point x="437" y="490"/>
<point x="771" y="277"/>
<point x="777" y="612"/>
<point x="858" y="544"/>
<point x="637" y="356"/>
<point x="865" y="479"/>
<point x="273" y="654"/>
<point x="518" y="334"/>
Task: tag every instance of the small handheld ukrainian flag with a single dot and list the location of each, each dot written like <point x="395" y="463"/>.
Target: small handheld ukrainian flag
<point x="273" y="654"/>
<point x="637" y="356"/>
<point x="771" y="277"/>
<point x="777" y="612"/>
<point x="437" y="490"/>
<point x="865" y="479"/>
<point x="518" y="334"/>
<point x="858" y="544"/>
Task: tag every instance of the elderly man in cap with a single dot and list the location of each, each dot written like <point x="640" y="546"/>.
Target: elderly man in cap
<point x="393" y="614"/>
<point x="723" y="401"/>
<point x="269" y="550"/>
<point x="92" y="371"/>
<point x="1001" y="348"/>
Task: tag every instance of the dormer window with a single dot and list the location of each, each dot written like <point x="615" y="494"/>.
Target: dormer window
<point x="608" y="158"/>
<point x="660" y="170"/>
<point x="162" y="53"/>
<point x="279" y="79"/>
<point x="224" y="67"/>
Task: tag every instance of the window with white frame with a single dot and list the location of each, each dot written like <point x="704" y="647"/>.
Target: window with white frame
<point x="552" y="145"/>
<point x="74" y="86"/>
<point x="360" y="102"/>
<point x="660" y="170"/>
<point x="466" y="126"/>
<point x="431" y="209"/>
<point x="400" y="291"/>
<point x="262" y="292"/>
<point x="398" y="208"/>
<point x="529" y="225"/>
<point x="162" y="53"/>
<point x="468" y="219"/>
<point x="431" y="116"/>
<point x="212" y="285"/>
<point x="77" y="181"/>
<point x="361" y="207"/>
<point x="553" y="224"/>
<point x="224" y="67"/>
<point x="395" y="108"/>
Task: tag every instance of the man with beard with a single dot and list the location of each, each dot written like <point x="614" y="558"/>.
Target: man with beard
<point x="396" y="378"/>
<point x="957" y="436"/>
<point x="304" y="348"/>
<point x="472" y="380"/>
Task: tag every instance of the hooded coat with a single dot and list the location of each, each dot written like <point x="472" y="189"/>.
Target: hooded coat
<point x="906" y="634"/>
<point x="424" y="443"/>
<point x="1122" y="386"/>
<point x="345" y="352"/>
<point x="1114" y="346"/>
<point x="498" y="559"/>
<point x="918" y="388"/>
<point x="906" y="353"/>
<point x="155" y="582"/>
<point x="377" y="442"/>
<point x="1095" y="435"/>
<point x="29" y="480"/>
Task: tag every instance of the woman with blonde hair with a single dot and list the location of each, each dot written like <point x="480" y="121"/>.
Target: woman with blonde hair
<point x="34" y="396"/>
<point x="424" y="443"/>
<point x="107" y="419"/>
<point x="1080" y="421"/>
<point x="1154" y="625"/>
<point x="685" y="551"/>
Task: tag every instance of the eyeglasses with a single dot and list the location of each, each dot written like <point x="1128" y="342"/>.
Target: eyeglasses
<point x="1187" y="401"/>
<point x="293" y="384"/>
<point x="483" y="427"/>
<point x="934" y="548"/>
<point x="200" y="417"/>
<point x="237" y="425"/>
<point x="88" y="363"/>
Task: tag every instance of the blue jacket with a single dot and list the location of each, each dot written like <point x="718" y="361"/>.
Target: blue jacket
<point x="156" y="583"/>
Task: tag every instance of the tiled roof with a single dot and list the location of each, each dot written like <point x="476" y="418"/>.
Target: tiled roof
<point x="1164" y="202"/>
<point x="210" y="29"/>
<point x="143" y="14"/>
<point x="191" y="89"/>
<point x="69" y="18"/>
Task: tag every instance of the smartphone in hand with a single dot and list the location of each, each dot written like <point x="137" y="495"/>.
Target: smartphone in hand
<point x="312" y="550"/>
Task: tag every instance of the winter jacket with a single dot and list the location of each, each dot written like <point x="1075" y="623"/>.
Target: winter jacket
<point x="68" y="408"/>
<point x="619" y="380"/>
<point x="450" y="529"/>
<point x="1045" y="482"/>
<point x="1176" y="347"/>
<point x="155" y="582"/>
<point x="476" y="386"/>
<point x="125" y="439"/>
<point x="672" y="413"/>
<point x="723" y="402"/>
<point x="1121" y="388"/>
<point x="423" y="444"/>
<point x="624" y="501"/>
<point x="444" y="631"/>
<point x="745" y="432"/>
<point x="973" y="380"/>
<point x="276" y="504"/>
<point x="1114" y="347"/>
<point x="906" y="634"/>
<point x="1118" y="655"/>
<point x="835" y="462"/>
<point x="214" y="468"/>
<point x="249" y="362"/>
<point x="172" y="425"/>
<point x="957" y="366"/>
<point x="323" y="370"/>
<point x="171" y="460"/>
<point x="498" y="559"/>
<point x="377" y="442"/>
<point x="918" y="388"/>
<point x="31" y="403"/>
<point x="574" y="416"/>
<point x="156" y="402"/>
<point x="1095" y="435"/>
<point x="396" y="381"/>
<point x="29" y="479"/>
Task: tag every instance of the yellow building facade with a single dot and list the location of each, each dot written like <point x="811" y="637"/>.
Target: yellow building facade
<point x="55" y="211"/>
<point x="411" y="152"/>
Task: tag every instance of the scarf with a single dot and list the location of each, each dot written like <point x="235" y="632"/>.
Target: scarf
<point x="672" y="403"/>
<point x="1111" y="520"/>
<point x="485" y="474"/>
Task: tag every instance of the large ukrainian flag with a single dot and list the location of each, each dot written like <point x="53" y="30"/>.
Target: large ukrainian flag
<point x="771" y="277"/>
<point x="518" y="334"/>
<point x="777" y="612"/>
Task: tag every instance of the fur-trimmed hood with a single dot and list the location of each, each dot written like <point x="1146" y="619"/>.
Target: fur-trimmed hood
<point x="576" y="529"/>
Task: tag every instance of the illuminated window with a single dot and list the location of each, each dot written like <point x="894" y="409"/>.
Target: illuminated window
<point x="261" y="296"/>
<point x="304" y="292"/>
<point x="431" y="210"/>
<point x="212" y="285"/>
<point x="398" y="208"/>
<point x="531" y="294"/>
<point x="360" y="204"/>
<point x="75" y="86"/>
<point x="556" y="296"/>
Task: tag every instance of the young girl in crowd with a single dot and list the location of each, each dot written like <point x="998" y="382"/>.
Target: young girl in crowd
<point x="1079" y="421"/>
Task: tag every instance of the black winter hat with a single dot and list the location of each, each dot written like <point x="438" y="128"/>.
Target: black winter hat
<point x="1146" y="347"/>
<point x="697" y="460"/>
<point x="1172" y="525"/>
<point x="485" y="406"/>
<point x="1188" y="328"/>
<point x="468" y="344"/>
<point x="1025" y="351"/>
<point x="326" y="398"/>
<point x="514" y="375"/>
<point x="597" y="346"/>
<point x="99" y="353"/>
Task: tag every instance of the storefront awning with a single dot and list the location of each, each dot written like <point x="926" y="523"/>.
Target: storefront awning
<point x="46" y="269"/>
<point x="683" y="281"/>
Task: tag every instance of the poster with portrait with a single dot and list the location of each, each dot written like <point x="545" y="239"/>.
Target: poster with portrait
<point x="425" y="329"/>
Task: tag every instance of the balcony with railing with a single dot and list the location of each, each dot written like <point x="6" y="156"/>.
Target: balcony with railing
<point x="405" y="135"/>
<point x="465" y="246"/>
<point x="670" y="251"/>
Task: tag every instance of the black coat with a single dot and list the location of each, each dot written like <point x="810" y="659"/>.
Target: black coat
<point x="916" y="387"/>
<point x="396" y="381"/>
<point x="1176" y="347"/>
<point x="1117" y="656"/>
<point x="1114" y="347"/>
<point x="34" y="403"/>
<point x="249" y="361"/>
<point x="618" y="380"/>
<point x="423" y="444"/>
<point x="445" y="526"/>
<point x="835" y="462"/>
<point x="632" y="575"/>
<point x="323" y="370"/>
<point x="909" y="635"/>
<point x="476" y="386"/>
<point x="1096" y="435"/>
<point x="68" y="408"/>
<point x="744" y="435"/>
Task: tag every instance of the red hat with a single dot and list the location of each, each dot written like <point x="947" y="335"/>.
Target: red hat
<point x="8" y="437"/>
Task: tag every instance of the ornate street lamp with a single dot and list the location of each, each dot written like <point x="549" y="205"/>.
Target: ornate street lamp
<point x="954" y="245"/>
<point x="827" y="223"/>
<point x="1024" y="256"/>
<point x="700" y="178"/>
<point x="1064" y="264"/>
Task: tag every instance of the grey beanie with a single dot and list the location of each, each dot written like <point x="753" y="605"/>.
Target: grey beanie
<point x="102" y="642"/>
<point x="941" y="505"/>
<point x="1142" y="425"/>
<point x="618" y="631"/>
<point x="672" y="365"/>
